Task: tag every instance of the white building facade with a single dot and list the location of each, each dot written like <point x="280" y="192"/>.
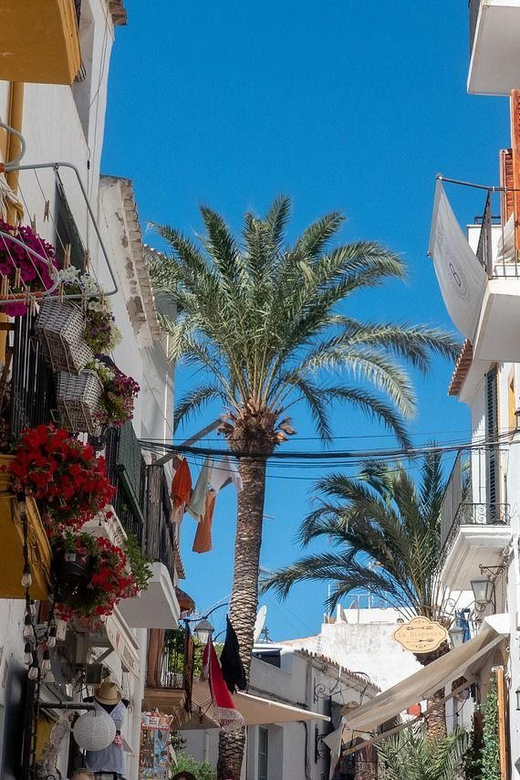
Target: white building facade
<point x="94" y="220"/>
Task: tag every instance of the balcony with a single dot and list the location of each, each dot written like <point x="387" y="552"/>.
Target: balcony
<point x="494" y="46"/>
<point x="39" y="41"/>
<point x="169" y="680"/>
<point x="143" y="508"/>
<point x="473" y="534"/>
<point x="495" y="337"/>
<point x="26" y="400"/>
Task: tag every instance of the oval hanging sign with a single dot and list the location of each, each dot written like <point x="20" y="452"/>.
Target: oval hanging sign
<point x="420" y="635"/>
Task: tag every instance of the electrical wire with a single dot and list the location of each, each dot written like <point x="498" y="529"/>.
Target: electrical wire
<point x="356" y="456"/>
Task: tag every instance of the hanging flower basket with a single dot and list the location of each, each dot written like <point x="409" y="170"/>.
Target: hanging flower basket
<point x="117" y="401"/>
<point x="109" y="580"/>
<point x="60" y="327"/>
<point x="79" y="399"/>
<point x="63" y="474"/>
<point x="23" y="271"/>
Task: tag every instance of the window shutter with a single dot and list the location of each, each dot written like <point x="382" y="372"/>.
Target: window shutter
<point x="491" y="435"/>
<point x="506" y="180"/>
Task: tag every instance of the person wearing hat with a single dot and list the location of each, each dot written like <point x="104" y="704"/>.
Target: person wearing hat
<point x="109" y="764"/>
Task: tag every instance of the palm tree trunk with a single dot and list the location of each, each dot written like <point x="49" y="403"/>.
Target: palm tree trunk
<point x="436" y="720"/>
<point x="244" y="597"/>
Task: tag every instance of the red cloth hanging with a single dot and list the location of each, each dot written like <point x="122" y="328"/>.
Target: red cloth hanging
<point x="228" y="716"/>
<point x="181" y="485"/>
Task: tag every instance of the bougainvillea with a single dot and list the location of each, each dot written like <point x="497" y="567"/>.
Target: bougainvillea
<point x="119" y="394"/>
<point x="109" y="578"/>
<point x="25" y="270"/>
<point x="64" y="474"/>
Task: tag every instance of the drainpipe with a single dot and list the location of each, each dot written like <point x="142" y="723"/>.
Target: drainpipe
<point x="14" y="120"/>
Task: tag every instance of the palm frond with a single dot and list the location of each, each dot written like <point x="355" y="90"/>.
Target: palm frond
<point x="196" y="400"/>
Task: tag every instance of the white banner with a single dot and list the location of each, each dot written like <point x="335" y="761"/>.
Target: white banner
<point x="461" y="277"/>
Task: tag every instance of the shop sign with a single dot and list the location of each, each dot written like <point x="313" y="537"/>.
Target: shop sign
<point x="420" y="635"/>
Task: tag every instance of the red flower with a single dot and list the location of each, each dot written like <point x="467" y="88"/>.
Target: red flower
<point x="64" y="474"/>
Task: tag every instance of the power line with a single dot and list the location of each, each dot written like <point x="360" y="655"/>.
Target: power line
<point x="349" y="455"/>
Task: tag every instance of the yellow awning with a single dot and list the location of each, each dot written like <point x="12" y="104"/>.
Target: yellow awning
<point x="255" y="710"/>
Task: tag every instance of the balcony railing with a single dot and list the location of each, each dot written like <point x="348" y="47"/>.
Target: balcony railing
<point x="170" y="672"/>
<point x="142" y="502"/>
<point x="177" y="660"/>
<point x="160" y="531"/>
<point x="31" y="388"/>
<point x="476" y="514"/>
<point x="126" y="470"/>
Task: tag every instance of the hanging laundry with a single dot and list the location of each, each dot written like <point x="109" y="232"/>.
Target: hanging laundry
<point x="181" y="485"/>
<point x="197" y="503"/>
<point x="228" y="716"/>
<point x="203" y="541"/>
<point x="223" y="473"/>
<point x="232" y="666"/>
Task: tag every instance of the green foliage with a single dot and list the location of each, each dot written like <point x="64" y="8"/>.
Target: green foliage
<point x="383" y="536"/>
<point x="490" y="748"/>
<point x="411" y="755"/>
<point x="266" y="322"/>
<point x="141" y="569"/>
<point x="472" y="763"/>
<point x="201" y="770"/>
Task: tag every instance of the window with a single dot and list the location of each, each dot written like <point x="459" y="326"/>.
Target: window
<point x="67" y="232"/>
<point x="263" y="753"/>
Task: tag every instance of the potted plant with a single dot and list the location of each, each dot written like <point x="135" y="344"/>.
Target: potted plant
<point x="111" y="579"/>
<point x="71" y="561"/>
<point x="73" y="330"/>
<point x="117" y="401"/>
<point x="28" y="267"/>
<point x="64" y="474"/>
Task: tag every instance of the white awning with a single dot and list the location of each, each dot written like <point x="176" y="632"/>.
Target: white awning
<point x="256" y="710"/>
<point x="465" y="660"/>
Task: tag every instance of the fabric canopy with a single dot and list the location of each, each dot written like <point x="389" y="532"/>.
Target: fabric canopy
<point x="255" y="710"/>
<point x="464" y="661"/>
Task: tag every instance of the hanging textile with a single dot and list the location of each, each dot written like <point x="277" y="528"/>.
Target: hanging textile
<point x="228" y="716"/>
<point x="224" y="472"/>
<point x="181" y="485"/>
<point x="197" y="503"/>
<point x="203" y="541"/>
<point x="232" y="666"/>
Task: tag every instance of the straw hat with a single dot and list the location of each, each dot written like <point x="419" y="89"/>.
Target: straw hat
<point x="107" y="693"/>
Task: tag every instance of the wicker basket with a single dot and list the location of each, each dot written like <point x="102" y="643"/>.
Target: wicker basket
<point x="78" y="400"/>
<point x="60" y="327"/>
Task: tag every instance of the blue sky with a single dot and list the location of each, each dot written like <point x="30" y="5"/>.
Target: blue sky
<point x="342" y="105"/>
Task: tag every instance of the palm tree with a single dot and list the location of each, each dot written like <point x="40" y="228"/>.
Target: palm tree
<point x="385" y="531"/>
<point x="265" y="322"/>
<point x="412" y="755"/>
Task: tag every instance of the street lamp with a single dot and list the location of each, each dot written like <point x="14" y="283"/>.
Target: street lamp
<point x="456" y="635"/>
<point x="203" y="630"/>
<point x="483" y="592"/>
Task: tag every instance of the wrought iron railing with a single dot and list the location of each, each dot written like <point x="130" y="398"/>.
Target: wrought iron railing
<point x="31" y="392"/>
<point x="476" y="514"/>
<point x="177" y="661"/>
<point x="126" y="470"/>
<point x="160" y="531"/>
<point x="503" y="261"/>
